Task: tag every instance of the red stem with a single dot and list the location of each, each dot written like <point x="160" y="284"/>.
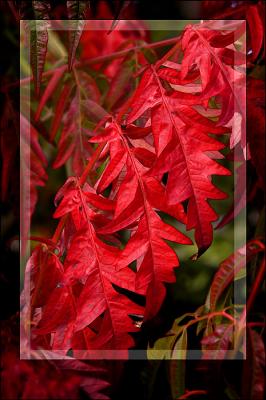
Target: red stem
<point x="168" y="54"/>
<point x="59" y="229"/>
<point x="90" y="164"/>
<point x="192" y="393"/>
<point x="95" y="60"/>
<point x="256" y="285"/>
<point x="59" y="110"/>
<point x="256" y="324"/>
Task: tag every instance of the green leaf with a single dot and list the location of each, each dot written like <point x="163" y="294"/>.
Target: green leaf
<point x="162" y="348"/>
<point x="75" y="12"/>
<point x="177" y="366"/>
<point x="176" y="328"/>
<point x="231" y="393"/>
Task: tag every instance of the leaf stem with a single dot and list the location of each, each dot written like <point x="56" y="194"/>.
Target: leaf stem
<point x="256" y="324"/>
<point x="208" y="316"/>
<point x="242" y="321"/>
<point x="168" y="54"/>
<point x="192" y="393"/>
<point x="96" y="60"/>
<point x="256" y="285"/>
<point x="79" y="89"/>
<point x="90" y="164"/>
<point x="59" y="229"/>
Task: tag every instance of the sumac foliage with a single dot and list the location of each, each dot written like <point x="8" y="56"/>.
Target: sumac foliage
<point x="159" y="143"/>
<point x="145" y="137"/>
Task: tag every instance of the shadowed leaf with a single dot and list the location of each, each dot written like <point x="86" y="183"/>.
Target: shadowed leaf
<point x="75" y="11"/>
<point x="231" y="267"/>
<point x="39" y="40"/>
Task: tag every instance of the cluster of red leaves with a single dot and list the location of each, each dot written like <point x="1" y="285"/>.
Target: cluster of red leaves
<point x="117" y="40"/>
<point x="160" y="150"/>
<point x="24" y="380"/>
<point x="33" y="164"/>
<point x="43" y="376"/>
<point x="253" y="12"/>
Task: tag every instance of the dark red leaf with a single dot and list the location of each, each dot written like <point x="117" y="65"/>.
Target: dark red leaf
<point x="48" y="91"/>
<point x="75" y="11"/>
<point x="253" y="384"/>
<point x="59" y="110"/>
<point x="230" y="267"/>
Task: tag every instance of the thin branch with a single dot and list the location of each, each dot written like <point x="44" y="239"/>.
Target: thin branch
<point x="90" y="164"/>
<point x="256" y="285"/>
<point x="192" y="393"/>
<point x="242" y="321"/>
<point x="208" y="316"/>
<point x="59" y="229"/>
<point x="256" y="324"/>
<point x="96" y="60"/>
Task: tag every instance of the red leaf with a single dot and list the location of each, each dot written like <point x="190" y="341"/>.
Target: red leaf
<point x="256" y="126"/>
<point x="57" y="378"/>
<point x="167" y="158"/>
<point x="119" y="84"/>
<point x="253" y="385"/>
<point x="32" y="174"/>
<point x="39" y="41"/>
<point x="47" y="264"/>
<point x="76" y="12"/>
<point x="181" y="151"/>
<point x="9" y="147"/>
<point x="256" y="25"/>
<point x="96" y="262"/>
<point x="86" y="289"/>
<point x="50" y="88"/>
<point x="73" y="142"/>
<point x="145" y="97"/>
<point x="58" y="311"/>
<point x="239" y="197"/>
<point x="59" y="110"/>
<point x="230" y="267"/>
<point x="112" y="170"/>
<point x="215" y="345"/>
<point x="134" y="204"/>
<point x="173" y="76"/>
<point x="200" y="47"/>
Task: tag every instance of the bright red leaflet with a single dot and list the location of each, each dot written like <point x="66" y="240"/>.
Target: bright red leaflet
<point x="181" y="139"/>
<point x="82" y="295"/>
<point x="138" y="198"/>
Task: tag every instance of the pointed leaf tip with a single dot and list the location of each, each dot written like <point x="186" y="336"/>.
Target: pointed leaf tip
<point x="75" y="12"/>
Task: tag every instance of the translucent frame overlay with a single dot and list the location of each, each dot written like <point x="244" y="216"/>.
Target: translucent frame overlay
<point x="26" y="352"/>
